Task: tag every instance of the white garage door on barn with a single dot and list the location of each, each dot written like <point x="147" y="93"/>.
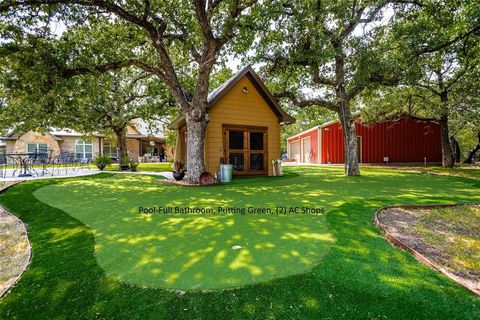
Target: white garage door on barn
<point x="306" y="150"/>
<point x="295" y="151"/>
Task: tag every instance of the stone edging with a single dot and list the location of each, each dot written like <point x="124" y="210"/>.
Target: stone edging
<point x="24" y="232"/>
<point x="420" y="257"/>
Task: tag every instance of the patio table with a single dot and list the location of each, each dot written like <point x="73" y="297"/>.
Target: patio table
<point x="24" y="160"/>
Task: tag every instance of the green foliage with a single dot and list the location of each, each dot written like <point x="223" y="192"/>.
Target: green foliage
<point x="102" y="161"/>
<point x="301" y="45"/>
<point x="133" y="164"/>
<point x="170" y="137"/>
<point x="437" y="47"/>
<point x="150" y="167"/>
<point x="306" y="118"/>
<point x="125" y="161"/>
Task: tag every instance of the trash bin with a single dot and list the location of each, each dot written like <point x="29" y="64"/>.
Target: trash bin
<point x="280" y="168"/>
<point x="277" y="168"/>
<point x="226" y="171"/>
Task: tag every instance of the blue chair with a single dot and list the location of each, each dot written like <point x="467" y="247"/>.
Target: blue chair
<point x="45" y="159"/>
<point x="62" y="160"/>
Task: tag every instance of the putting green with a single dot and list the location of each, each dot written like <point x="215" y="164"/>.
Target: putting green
<point x="199" y="250"/>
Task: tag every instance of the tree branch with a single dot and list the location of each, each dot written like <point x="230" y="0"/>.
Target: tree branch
<point x="474" y="31"/>
<point x="302" y="103"/>
<point x="202" y="17"/>
<point x="229" y="31"/>
<point x="432" y="90"/>
<point x="317" y="78"/>
<point x="115" y="65"/>
<point x="355" y="91"/>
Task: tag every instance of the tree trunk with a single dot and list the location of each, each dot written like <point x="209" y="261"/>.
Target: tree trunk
<point x="348" y="124"/>
<point x="447" y="156"/>
<point x="350" y="141"/>
<point x="472" y="152"/>
<point x="455" y="149"/>
<point x="196" y="124"/>
<point x="121" y="134"/>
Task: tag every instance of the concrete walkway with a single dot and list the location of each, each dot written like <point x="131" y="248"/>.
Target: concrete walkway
<point x="79" y="173"/>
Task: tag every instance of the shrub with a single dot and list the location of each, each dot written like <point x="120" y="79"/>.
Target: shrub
<point x="102" y="161"/>
<point x="133" y="165"/>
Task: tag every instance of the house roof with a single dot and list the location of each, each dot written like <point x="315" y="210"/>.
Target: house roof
<point x="13" y="136"/>
<point x="356" y="115"/>
<point x="143" y="128"/>
<point x="219" y="92"/>
<point x="133" y="132"/>
<point x="323" y="125"/>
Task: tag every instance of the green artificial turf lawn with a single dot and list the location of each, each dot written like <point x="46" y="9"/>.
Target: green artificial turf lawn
<point x="360" y="276"/>
<point x="191" y="251"/>
<point x="151" y="167"/>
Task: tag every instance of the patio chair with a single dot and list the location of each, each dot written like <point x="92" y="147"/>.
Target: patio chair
<point x="12" y="163"/>
<point x="84" y="163"/>
<point x="46" y="160"/>
<point x="30" y="163"/>
<point x="62" y="161"/>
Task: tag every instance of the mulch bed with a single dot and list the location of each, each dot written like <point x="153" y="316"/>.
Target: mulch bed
<point x="15" y="249"/>
<point x="397" y="224"/>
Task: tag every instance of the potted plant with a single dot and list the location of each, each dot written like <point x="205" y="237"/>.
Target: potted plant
<point x="133" y="165"/>
<point x="178" y="170"/>
<point x="124" y="163"/>
<point x="102" y="161"/>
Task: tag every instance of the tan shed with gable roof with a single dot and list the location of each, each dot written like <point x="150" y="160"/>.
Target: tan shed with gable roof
<point x="243" y="128"/>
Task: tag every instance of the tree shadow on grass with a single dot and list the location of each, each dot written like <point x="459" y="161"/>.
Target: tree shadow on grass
<point x="189" y="251"/>
<point x="361" y="276"/>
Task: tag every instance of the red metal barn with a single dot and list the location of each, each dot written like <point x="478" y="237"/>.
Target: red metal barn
<point x="400" y="141"/>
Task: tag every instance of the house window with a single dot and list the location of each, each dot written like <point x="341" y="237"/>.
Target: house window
<point x="84" y="149"/>
<point x="110" y="150"/>
<point x="37" y="148"/>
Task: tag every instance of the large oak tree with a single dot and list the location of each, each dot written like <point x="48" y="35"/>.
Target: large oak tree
<point x="171" y="40"/>
<point x="109" y="102"/>
<point x="440" y="47"/>
<point x="324" y="54"/>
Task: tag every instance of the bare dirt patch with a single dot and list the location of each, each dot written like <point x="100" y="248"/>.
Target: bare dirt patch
<point x="15" y="250"/>
<point x="445" y="238"/>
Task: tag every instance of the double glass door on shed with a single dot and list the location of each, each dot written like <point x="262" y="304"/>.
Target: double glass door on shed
<point x="246" y="149"/>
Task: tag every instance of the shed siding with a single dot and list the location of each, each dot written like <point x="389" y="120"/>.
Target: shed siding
<point x="314" y="152"/>
<point x="238" y="108"/>
<point x="407" y="140"/>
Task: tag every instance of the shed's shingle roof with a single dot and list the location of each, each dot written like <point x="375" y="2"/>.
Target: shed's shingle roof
<point x="219" y="92"/>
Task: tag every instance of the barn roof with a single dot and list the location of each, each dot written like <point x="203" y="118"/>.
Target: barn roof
<point x="392" y="118"/>
<point x="219" y="92"/>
